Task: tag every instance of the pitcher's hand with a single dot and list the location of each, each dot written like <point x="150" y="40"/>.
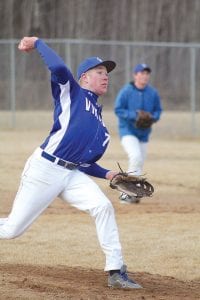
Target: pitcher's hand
<point x="27" y="43"/>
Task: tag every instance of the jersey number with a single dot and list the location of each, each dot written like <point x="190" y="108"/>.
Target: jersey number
<point x="107" y="138"/>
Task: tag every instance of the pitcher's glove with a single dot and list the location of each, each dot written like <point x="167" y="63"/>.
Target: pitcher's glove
<point x="131" y="185"/>
<point x="144" y="120"/>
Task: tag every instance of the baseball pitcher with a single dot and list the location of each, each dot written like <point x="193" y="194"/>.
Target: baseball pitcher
<point x="60" y="166"/>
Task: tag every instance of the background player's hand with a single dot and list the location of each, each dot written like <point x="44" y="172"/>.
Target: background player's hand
<point x="27" y="43"/>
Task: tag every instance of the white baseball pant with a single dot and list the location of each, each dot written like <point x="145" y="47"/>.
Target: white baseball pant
<point x="136" y="151"/>
<point x="41" y="182"/>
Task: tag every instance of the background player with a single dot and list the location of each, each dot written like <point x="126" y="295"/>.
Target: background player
<point x="58" y="167"/>
<point x="136" y="96"/>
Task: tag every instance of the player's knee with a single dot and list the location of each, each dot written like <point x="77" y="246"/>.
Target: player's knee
<point x="108" y="206"/>
<point x="104" y="208"/>
<point x="9" y="232"/>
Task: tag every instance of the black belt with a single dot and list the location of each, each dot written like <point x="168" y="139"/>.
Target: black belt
<point x="60" y="162"/>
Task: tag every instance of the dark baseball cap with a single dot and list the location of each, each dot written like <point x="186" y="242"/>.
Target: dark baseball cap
<point x="141" y="68"/>
<point x="93" y="62"/>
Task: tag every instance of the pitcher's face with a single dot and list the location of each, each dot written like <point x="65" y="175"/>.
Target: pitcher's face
<point x="97" y="80"/>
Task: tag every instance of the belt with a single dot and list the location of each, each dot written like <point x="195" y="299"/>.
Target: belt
<point x="60" y="162"/>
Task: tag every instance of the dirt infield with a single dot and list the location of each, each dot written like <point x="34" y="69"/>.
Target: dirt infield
<point x="38" y="282"/>
<point x="59" y="256"/>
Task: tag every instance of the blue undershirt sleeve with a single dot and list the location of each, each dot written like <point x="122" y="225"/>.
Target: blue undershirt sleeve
<point x="94" y="170"/>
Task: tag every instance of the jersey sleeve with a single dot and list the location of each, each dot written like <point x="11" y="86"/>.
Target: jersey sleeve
<point x="94" y="170"/>
<point x="59" y="72"/>
<point x="121" y="106"/>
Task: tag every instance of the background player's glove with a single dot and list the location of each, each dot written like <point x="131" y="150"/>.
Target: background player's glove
<point x="131" y="185"/>
<point x="144" y="120"/>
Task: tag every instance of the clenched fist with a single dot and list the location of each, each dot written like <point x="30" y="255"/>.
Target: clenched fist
<point x="27" y="43"/>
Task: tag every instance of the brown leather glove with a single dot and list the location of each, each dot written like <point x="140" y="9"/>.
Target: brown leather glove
<point x="131" y="185"/>
<point x="144" y="120"/>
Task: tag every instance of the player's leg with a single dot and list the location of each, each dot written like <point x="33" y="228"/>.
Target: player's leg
<point x="132" y="147"/>
<point x="84" y="194"/>
<point x="143" y="148"/>
<point x="37" y="190"/>
<point x="3" y="220"/>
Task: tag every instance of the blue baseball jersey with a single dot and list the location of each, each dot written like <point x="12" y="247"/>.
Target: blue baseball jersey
<point x="129" y="100"/>
<point x="78" y="133"/>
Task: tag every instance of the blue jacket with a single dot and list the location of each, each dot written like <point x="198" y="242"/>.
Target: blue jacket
<point x="78" y="133"/>
<point x="131" y="99"/>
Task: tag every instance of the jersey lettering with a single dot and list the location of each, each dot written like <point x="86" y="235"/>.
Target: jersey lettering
<point x="87" y="104"/>
<point x="91" y="108"/>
